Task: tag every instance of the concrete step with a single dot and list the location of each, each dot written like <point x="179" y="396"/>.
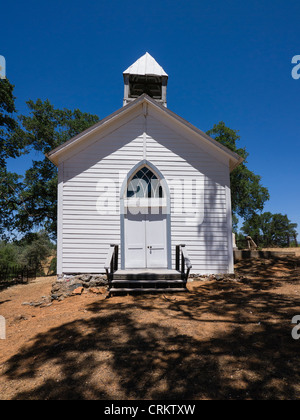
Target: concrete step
<point x="147" y="281"/>
<point x="151" y="276"/>
<point x="148" y="290"/>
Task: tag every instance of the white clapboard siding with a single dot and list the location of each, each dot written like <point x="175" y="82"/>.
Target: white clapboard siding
<point x="207" y="244"/>
<point x="87" y="234"/>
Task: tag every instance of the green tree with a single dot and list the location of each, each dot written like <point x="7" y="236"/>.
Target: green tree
<point x="7" y="123"/>
<point x="269" y="229"/>
<point x="248" y="194"/>
<point x="252" y="227"/>
<point x="34" y="249"/>
<point x="44" y="129"/>
<point x="9" y="148"/>
<point x="10" y="203"/>
<point x="283" y="230"/>
<point x="9" y="254"/>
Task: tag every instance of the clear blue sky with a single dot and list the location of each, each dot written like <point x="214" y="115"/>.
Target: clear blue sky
<point x="227" y="60"/>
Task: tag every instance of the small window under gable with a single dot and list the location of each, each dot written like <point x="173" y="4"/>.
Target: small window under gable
<point x="145" y="184"/>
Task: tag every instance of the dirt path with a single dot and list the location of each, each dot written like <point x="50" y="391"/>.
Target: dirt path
<point x="222" y="340"/>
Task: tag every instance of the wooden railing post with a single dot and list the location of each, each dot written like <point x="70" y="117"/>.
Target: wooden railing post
<point x="185" y="266"/>
<point x="182" y="259"/>
<point x="112" y="261"/>
<point x="116" y="262"/>
<point x="177" y="257"/>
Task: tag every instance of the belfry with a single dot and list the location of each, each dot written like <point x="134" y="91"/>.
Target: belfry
<point x="145" y="76"/>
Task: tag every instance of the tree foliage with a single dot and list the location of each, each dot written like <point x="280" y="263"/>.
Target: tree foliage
<point x="8" y="123"/>
<point x="271" y="230"/>
<point x="31" y="251"/>
<point x="10" y="192"/>
<point x="9" y="254"/>
<point x="44" y="129"/>
<point x="34" y="249"/>
<point x="9" y="148"/>
<point x="248" y="194"/>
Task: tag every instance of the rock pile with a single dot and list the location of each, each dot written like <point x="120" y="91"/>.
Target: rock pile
<point x="215" y="277"/>
<point x="68" y="285"/>
<point x="44" y="302"/>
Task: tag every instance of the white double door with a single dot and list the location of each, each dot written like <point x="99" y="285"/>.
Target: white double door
<point x="146" y="241"/>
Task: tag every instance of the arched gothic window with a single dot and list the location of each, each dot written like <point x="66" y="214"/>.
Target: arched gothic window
<point x="144" y="184"/>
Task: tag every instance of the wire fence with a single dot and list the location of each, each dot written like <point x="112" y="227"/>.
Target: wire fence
<point x="17" y="274"/>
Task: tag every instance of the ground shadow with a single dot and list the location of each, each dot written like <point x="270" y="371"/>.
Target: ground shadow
<point x="7" y="284"/>
<point x="155" y="348"/>
<point x="264" y="269"/>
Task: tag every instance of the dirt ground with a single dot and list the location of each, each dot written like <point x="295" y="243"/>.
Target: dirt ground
<point x="226" y="339"/>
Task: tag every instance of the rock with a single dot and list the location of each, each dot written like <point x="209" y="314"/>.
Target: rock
<point x="45" y="300"/>
<point x="21" y="318"/>
<point x="36" y="304"/>
<point x="78" y="291"/>
<point x="86" y="278"/>
<point x="74" y="287"/>
<point x="56" y="287"/>
<point x="97" y="290"/>
<point x="94" y="290"/>
<point x="46" y="305"/>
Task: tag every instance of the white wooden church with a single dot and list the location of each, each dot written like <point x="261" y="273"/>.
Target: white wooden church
<point x="144" y="191"/>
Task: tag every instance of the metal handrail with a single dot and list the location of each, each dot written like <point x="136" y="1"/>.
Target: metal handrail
<point x="112" y="261"/>
<point x="183" y="258"/>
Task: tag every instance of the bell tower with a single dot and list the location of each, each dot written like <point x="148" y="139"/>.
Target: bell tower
<point x="145" y="76"/>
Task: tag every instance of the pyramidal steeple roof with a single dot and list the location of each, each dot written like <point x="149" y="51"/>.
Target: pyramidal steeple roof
<point x="146" y="65"/>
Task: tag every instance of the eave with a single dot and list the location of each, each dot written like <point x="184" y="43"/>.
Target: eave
<point x="55" y="155"/>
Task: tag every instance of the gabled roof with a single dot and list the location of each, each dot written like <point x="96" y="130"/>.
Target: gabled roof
<point x="57" y="153"/>
<point x="146" y="65"/>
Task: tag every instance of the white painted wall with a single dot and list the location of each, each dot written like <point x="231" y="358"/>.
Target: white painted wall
<point x="86" y="234"/>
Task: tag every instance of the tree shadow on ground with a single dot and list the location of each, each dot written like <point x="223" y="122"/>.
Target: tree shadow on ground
<point x="264" y="269"/>
<point x="4" y="301"/>
<point x="7" y="284"/>
<point x="161" y="348"/>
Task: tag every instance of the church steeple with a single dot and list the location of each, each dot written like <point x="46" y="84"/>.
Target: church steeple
<point x="145" y="76"/>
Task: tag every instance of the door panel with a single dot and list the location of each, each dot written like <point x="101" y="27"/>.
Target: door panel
<point x="146" y="241"/>
<point x="135" y="241"/>
<point x="156" y="241"/>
